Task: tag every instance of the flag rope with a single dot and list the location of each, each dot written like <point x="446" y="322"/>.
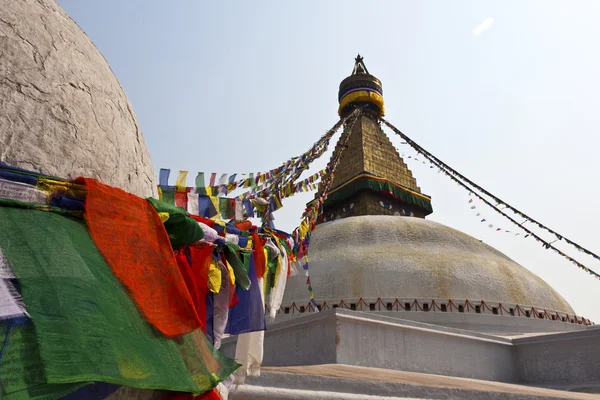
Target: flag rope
<point x="465" y="182"/>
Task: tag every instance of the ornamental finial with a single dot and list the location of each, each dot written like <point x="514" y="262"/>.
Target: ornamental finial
<point x="359" y="66"/>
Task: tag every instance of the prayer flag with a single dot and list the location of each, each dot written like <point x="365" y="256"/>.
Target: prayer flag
<point x="181" y="200"/>
<point x="249" y="208"/>
<point x="249" y="314"/>
<point x="239" y="211"/>
<point x="226" y="207"/>
<point x="168" y="196"/>
<point x="159" y="277"/>
<point x="163" y="177"/>
<point x="216" y="205"/>
<point x="200" y="186"/>
<point x="96" y="332"/>
<point x="180" y="184"/>
<point x="192" y="202"/>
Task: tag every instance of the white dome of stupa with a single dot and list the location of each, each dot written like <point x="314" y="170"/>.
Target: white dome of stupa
<point x="390" y="257"/>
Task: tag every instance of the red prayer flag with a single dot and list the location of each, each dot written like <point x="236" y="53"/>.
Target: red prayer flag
<point x="130" y="235"/>
<point x="259" y="254"/>
<point x="212" y="394"/>
<point x="190" y="280"/>
<point x="181" y="200"/>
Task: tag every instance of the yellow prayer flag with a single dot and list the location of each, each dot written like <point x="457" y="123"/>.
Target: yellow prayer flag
<point x="303" y="230"/>
<point x="164" y="216"/>
<point x="214" y="277"/>
<point x="66" y="188"/>
<point x="266" y="266"/>
<point x="215" y="201"/>
<point x="278" y="269"/>
<point x="180" y="185"/>
<point x="231" y="273"/>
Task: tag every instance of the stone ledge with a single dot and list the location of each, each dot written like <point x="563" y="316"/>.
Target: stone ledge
<point x="262" y="393"/>
<point x="314" y="318"/>
<point x="351" y="382"/>
<point x="345" y="337"/>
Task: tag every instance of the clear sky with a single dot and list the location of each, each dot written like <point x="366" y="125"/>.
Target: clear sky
<point x="508" y="93"/>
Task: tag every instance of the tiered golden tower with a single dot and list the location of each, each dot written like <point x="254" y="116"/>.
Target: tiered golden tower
<point x="371" y="178"/>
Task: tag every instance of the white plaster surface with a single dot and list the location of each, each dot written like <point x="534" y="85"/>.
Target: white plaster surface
<point x="62" y="110"/>
<point x="571" y="358"/>
<point x="568" y="360"/>
<point x="403" y="257"/>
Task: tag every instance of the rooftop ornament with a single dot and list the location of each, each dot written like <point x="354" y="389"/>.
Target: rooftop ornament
<point x="360" y="89"/>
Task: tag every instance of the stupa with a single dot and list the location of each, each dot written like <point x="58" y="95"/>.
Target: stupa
<point x="408" y="307"/>
<point x="63" y="112"/>
<point x="376" y="252"/>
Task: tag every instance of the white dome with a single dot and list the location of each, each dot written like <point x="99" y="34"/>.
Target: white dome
<point x="62" y="110"/>
<point x="391" y="257"/>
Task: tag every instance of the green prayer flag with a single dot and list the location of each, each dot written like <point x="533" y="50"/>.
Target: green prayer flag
<point x="181" y="228"/>
<point x="168" y="196"/>
<point x="240" y="270"/>
<point x="226" y="208"/>
<point x="22" y="370"/>
<point x="272" y="269"/>
<point x="200" y="185"/>
<point x="87" y="327"/>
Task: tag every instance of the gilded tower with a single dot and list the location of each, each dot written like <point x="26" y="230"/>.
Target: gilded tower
<point x="371" y="178"/>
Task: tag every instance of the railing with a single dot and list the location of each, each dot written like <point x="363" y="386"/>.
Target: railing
<point x="441" y="305"/>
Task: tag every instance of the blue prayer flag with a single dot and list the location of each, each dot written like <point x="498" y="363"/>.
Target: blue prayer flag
<point x="163" y="177"/>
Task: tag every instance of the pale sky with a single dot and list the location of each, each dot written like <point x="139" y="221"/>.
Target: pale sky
<point x="507" y="93"/>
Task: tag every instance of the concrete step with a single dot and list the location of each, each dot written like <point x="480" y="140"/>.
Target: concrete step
<point x="344" y="382"/>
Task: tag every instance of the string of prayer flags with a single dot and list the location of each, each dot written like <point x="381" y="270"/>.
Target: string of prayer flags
<point x="299" y="164"/>
<point x="467" y="184"/>
<point x="454" y="174"/>
<point x="484" y="220"/>
<point x="315" y="208"/>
